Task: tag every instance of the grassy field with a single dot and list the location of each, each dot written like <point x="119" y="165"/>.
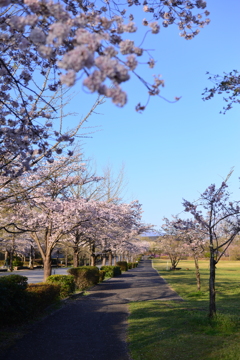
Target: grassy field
<point x="182" y="330"/>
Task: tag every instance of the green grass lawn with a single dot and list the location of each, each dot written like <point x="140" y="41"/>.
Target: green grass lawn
<point x="182" y="330"/>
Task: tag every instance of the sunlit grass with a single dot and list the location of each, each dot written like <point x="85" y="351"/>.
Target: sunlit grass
<point x="182" y="330"/>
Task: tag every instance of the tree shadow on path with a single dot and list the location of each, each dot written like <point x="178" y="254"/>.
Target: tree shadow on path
<point x="93" y="326"/>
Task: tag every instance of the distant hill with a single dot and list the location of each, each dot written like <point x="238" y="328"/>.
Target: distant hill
<point x="150" y="233"/>
<point x="149" y="238"/>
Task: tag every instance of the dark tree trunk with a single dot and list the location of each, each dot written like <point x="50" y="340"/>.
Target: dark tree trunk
<point x="93" y="260"/>
<point x="11" y="261"/>
<point x="81" y="261"/>
<point x="66" y="256"/>
<point x="47" y="266"/>
<point x="75" y="256"/>
<point x="6" y="257"/>
<point x="104" y="258"/>
<point x="31" y="258"/>
<point x="174" y="261"/>
<point x="57" y="259"/>
<point x="92" y="256"/>
<point x="198" y="278"/>
<point x="110" y="258"/>
<point x="212" y="293"/>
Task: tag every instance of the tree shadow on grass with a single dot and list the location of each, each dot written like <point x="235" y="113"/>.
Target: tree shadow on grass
<point x="183" y="331"/>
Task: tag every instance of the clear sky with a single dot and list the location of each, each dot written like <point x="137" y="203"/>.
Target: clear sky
<point x="173" y="151"/>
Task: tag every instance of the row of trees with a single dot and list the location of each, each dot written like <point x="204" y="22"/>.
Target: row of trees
<point x="46" y="47"/>
<point x="215" y="224"/>
<point x="61" y="203"/>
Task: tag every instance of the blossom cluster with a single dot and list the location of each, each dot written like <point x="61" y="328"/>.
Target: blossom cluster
<point x="46" y="209"/>
<point x="63" y="42"/>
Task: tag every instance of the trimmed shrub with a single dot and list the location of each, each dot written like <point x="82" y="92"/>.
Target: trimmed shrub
<point x="20" y="302"/>
<point x="111" y="271"/>
<point x="85" y="276"/>
<point x="102" y="274"/>
<point x="17" y="262"/>
<point x="19" y="280"/>
<point x="42" y="295"/>
<point x="134" y="264"/>
<point x="123" y="265"/>
<point x="13" y="299"/>
<point x="66" y="283"/>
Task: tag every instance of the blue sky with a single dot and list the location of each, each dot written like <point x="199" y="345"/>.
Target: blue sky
<point x="173" y="151"/>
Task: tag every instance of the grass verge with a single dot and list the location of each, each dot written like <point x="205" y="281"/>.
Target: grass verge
<point x="182" y="330"/>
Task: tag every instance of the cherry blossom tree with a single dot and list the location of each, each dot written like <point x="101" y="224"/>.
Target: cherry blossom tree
<point x="60" y="43"/>
<point x="89" y="232"/>
<point x="105" y="236"/>
<point x="194" y="239"/>
<point x="110" y="230"/>
<point x="107" y="188"/>
<point x="127" y="232"/>
<point x="140" y="247"/>
<point x="171" y="242"/>
<point x="46" y="45"/>
<point x="16" y="246"/>
<point x="48" y="214"/>
<point x="71" y="170"/>
<point x="49" y="221"/>
<point x="218" y="219"/>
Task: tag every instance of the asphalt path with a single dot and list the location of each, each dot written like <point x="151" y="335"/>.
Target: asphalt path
<point x="93" y="326"/>
<point x="36" y="275"/>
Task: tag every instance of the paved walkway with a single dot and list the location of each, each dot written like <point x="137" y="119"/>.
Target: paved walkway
<point x="93" y="326"/>
<point x="36" y="275"/>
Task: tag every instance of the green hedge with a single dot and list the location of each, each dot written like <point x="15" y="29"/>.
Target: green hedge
<point x="42" y="295"/>
<point x="123" y="265"/>
<point x="19" y="280"/>
<point x="66" y="283"/>
<point x="85" y="276"/>
<point x="111" y="271"/>
<point x="132" y="265"/>
<point x="20" y="302"/>
<point x="102" y="274"/>
<point x="14" y="301"/>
